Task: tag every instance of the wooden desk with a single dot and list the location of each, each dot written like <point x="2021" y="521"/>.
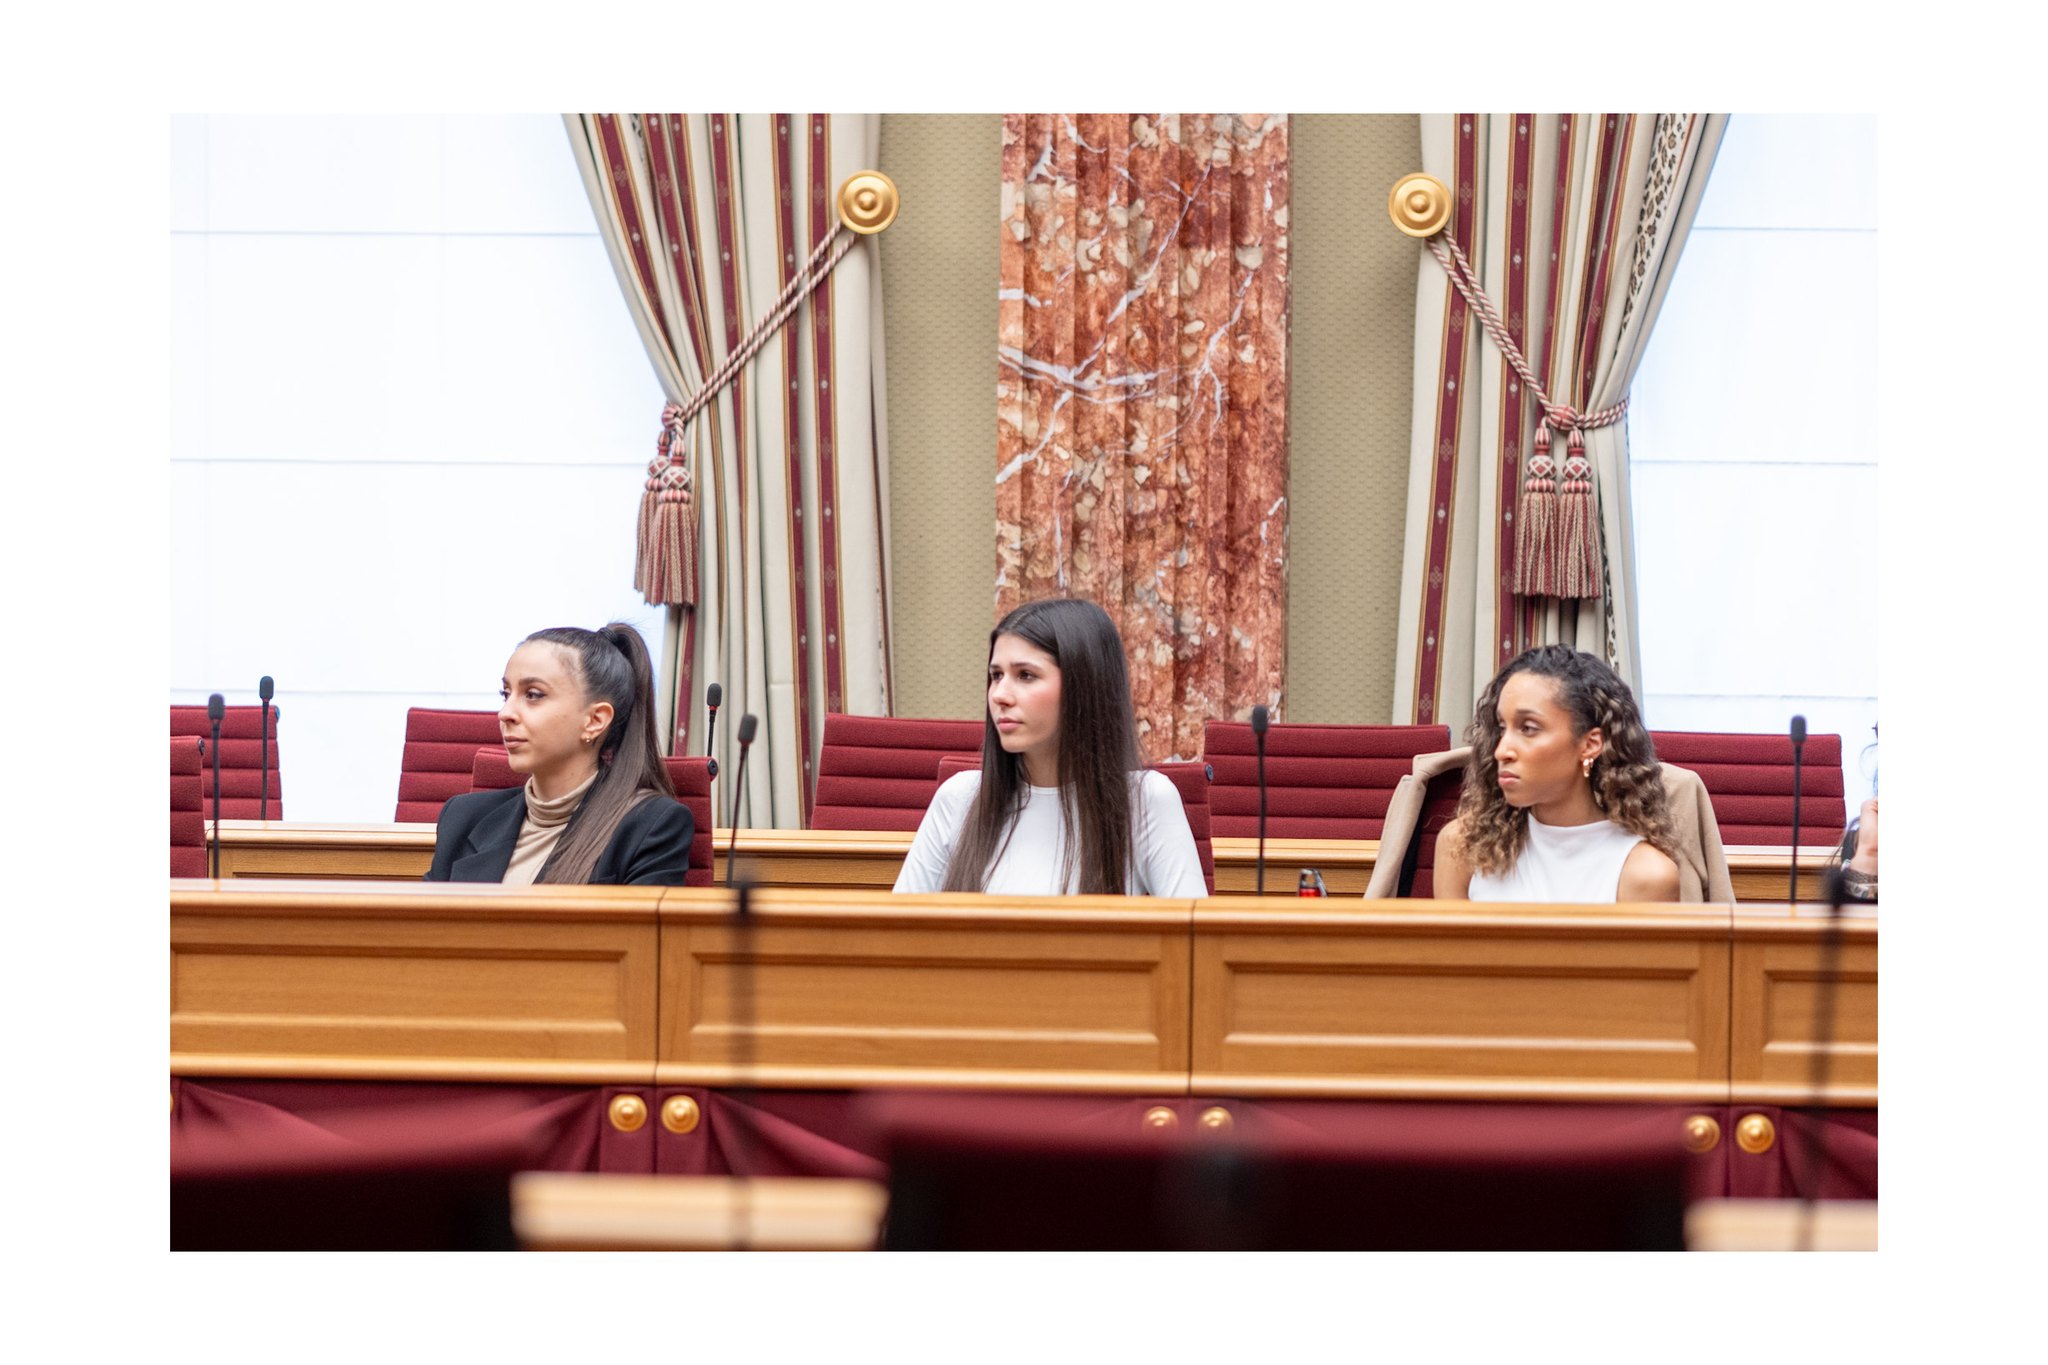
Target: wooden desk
<point x="861" y="988"/>
<point x="842" y="859"/>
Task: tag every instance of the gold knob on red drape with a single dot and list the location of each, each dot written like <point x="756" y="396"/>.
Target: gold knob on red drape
<point x="1702" y="1133"/>
<point x="680" y="1114"/>
<point x="627" y="1113"/>
<point x="1419" y="205"/>
<point x="868" y="202"/>
<point x="1159" y="1116"/>
<point x="1756" y="1133"/>
<point x="1216" y="1119"/>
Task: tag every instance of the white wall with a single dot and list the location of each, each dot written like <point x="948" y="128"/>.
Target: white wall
<point x="1753" y="446"/>
<point x="410" y="422"/>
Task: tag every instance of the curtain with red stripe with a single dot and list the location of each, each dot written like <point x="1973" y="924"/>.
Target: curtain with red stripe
<point x="706" y="218"/>
<point x="1141" y="398"/>
<point x="1574" y="225"/>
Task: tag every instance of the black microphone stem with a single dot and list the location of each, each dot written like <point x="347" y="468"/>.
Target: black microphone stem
<point x="1823" y="1054"/>
<point x="1261" y="718"/>
<point x="215" y="710"/>
<point x="265" y="689"/>
<point x="1798" y="750"/>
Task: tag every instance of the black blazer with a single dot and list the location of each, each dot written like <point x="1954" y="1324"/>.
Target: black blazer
<point x="477" y="832"/>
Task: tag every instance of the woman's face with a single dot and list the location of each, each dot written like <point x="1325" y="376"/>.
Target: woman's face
<point x="1024" y="703"/>
<point x="548" y="728"/>
<point x="1539" y="758"/>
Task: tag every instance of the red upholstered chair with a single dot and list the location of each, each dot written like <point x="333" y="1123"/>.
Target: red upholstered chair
<point x="1191" y="780"/>
<point x="491" y="770"/>
<point x="1322" y="781"/>
<point x="188" y="812"/>
<point x="1749" y="783"/>
<point x="440" y="751"/>
<point x="878" y="772"/>
<point x="241" y="765"/>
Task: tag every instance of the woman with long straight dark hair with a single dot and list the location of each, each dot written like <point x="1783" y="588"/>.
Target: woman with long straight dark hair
<point x="1062" y="804"/>
<point x="597" y="805"/>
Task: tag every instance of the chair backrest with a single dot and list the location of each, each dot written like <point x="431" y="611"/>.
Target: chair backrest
<point x="1322" y="781"/>
<point x="1439" y="808"/>
<point x="879" y="772"/>
<point x="241" y="765"/>
<point x="1191" y="780"/>
<point x="491" y="770"/>
<point x="1749" y="783"/>
<point x="188" y="817"/>
<point x="440" y="751"/>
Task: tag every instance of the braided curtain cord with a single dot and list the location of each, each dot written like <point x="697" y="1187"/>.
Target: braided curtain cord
<point x="1557" y="535"/>
<point x="665" y="558"/>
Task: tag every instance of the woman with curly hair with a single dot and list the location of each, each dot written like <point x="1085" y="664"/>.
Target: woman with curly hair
<point x="1563" y="800"/>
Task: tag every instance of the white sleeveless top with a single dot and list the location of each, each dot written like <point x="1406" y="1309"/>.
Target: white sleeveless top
<point x="1569" y="864"/>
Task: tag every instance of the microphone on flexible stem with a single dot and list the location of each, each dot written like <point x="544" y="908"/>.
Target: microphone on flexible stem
<point x="216" y="708"/>
<point x="713" y="695"/>
<point x="748" y="724"/>
<point x="1261" y="718"/>
<point x="1823" y="1048"/>
<point x="1798" y="751"/>
<point x="743" y="1163"/>
<point x="265" y="690"/>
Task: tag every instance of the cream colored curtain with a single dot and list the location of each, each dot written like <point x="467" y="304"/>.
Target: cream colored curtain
<point x="1574" y="225"/>
<point x="706" y="217"/>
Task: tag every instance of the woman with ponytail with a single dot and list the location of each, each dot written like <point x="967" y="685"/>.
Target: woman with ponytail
<point x="1061" y="804"/>
<point x="597" y="806"/>
<point x="1563" y="799"/>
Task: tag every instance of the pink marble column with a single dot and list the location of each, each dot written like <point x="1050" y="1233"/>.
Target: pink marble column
<point x="1141" y="409"/>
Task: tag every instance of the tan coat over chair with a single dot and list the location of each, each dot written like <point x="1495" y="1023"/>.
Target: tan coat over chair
<point x="1702" y="865"/>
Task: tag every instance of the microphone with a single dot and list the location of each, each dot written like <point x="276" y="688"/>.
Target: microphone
<point x="1261" y="718"/>
<point x="745" y="1137"/>
<point x="1824" y="1037"/>
<point x="1798" y="751"/>
<point x="265" y="690"/>
<point x="749" y="723"/>
<point x="216" y="709"/>
<point x="713" y="695"/>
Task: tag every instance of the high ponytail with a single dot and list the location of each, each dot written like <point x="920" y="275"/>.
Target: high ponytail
<point x="613" y="666"/>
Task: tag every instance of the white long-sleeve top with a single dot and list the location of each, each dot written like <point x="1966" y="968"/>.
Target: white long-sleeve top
<point x="1165" y="864"/>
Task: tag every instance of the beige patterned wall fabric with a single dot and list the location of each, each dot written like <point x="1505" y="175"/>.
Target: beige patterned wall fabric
<point x="1350" y="367"/>
<point x="938" y="269"/>
<point x="1141" y="415"/>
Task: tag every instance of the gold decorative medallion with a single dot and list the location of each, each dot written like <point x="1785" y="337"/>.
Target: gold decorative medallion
<point x="1159" y="1116"/>
<point x="1756" y="1134"/>
<point x="627" y="1113"/>
<point x="680" y="1114"/>
<point x="1702" y="1133"/>
<point x="868" y="202"/>
<point x="1419" y="205"/>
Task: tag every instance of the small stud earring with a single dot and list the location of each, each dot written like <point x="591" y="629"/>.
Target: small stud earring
<point x="1586" y="768"/>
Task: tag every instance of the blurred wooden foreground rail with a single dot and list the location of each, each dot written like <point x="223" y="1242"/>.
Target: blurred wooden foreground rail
<point x="851" y="989"/>
<point x="846" y="859"/>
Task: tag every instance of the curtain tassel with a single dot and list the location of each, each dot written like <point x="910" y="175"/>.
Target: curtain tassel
<point x="1578" y="540"/>
<point x="665" y="556"/>
<point x="1536" y="523"/>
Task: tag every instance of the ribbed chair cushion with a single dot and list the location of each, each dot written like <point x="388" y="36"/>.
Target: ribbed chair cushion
<point x="188" y="816"/>
<point x="1322" y="781"/>
<point x="1749" y="783"/>
<point x="491" y="770"/>
<point x="879" y="772"/>
<point x="1191" y="780"/>
<point x="241" y="746"/>
<point x="440" y="750"/>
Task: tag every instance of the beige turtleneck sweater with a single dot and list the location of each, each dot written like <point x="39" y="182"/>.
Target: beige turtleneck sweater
<point x="541" y="831"/>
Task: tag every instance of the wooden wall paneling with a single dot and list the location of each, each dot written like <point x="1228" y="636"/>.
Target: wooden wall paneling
<point x="1778" y="957"/>
<point x="860" y="988"/>
<point x="1431" y="999"/>
<point x="419" y="982"/>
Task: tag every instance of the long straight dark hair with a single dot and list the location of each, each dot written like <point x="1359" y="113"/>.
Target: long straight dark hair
<point x="613" y="666"/>
<point x="1098" y="752"/>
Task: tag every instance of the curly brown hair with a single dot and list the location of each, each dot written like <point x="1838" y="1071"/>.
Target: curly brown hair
<point x="1626" y="783"/>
